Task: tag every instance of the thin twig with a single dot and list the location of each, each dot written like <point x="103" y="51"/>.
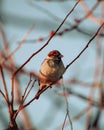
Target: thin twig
<point x="4" y="84"/>
<point x="67" y="107"/>
<point x="84" y="47"/>
<point x="94" y="103"/>
<point x="64" y="121"/>
<point x="26" y="88"/>
<point x="21" y="42"/>
<point x="3" y="95"/>
<point x="80" y="114"/>
<point x="89" y="12"/>
<point x="29" y="90"/>
<point x="49" y="13"/>
<point x="12" y="92"/>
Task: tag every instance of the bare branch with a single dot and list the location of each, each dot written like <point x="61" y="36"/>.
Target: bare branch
<point x="3" y="95"/>
<point x="26" y="88"/>
<point x="67" y="109"/>
<point x="21" y="41"/>
<point x="29" y="90"/>
<point x="85" y="46"/>
<point x="4" y="85"/>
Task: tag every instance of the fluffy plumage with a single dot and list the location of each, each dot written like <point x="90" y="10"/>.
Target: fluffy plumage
<point x="51" y="70"/>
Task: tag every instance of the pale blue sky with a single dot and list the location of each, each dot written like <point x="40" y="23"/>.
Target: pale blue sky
<point x="18" y="16"/>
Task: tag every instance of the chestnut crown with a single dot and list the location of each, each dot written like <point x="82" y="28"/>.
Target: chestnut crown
<point x="55" y="53"/>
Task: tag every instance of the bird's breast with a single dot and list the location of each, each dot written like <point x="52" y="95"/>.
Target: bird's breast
<point x="50" y="69"/>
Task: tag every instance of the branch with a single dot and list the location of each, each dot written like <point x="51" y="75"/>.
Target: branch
<point x="21" y="41"/>
<point x="67" y="110"/>
<point x="25" y="91"/>
<point x="84" y="47"/>
<point x="25" y="96"/>
<point x="4" y="85"/>
<point x="93" y="102"/>
<point x="3" y="95"/>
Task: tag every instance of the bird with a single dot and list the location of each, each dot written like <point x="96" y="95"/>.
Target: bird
<point x="51" y="71"/>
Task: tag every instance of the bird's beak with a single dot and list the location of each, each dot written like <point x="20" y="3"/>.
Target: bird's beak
<point x="61" y="56"/>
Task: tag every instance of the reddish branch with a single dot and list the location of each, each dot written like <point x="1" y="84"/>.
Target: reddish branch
<point x="85" y="47"/>
<point x="5" y="93"/>
<point x="21" y="42"/>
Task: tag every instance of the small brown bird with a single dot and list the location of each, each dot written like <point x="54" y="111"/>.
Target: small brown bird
<point x="51" y="70"/>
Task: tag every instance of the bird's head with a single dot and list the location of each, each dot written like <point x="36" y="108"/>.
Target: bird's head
<point x="55" y="53"/>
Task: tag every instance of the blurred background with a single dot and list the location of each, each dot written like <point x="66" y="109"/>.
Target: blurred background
<point x="25" y="26"/>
